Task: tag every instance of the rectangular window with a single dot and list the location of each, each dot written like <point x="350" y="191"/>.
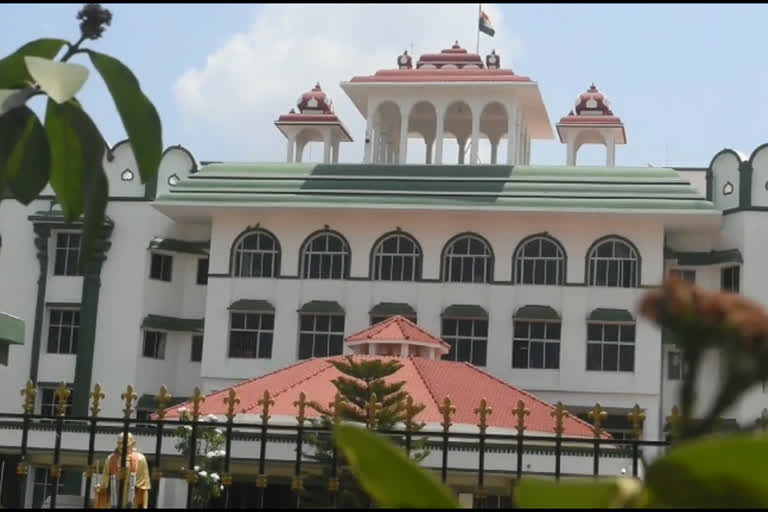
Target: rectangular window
<point x="536" y="344"/>
<point x="250" y="335"/>
<point x="729" y="279"/>
<point x="48" y="402"/>
<point x="154" y="345"/>
<point x="321" y="335"/>
<point x="63" y="331"/>
<point x="202" y="271"/>
<point x="676" y="367"/>
<point x="67" y="258"/>
<point x="197" y="349"/>
<point x="468" y="339"/>
<point x="42" y="486"/>
<point x="610" y="347"/>
<point x="684" y="274"/>
<point x="161" y="266"/>
<point x="380" y="318"/>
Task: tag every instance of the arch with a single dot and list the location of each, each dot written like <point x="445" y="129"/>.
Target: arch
<point x="494" y="123"/>
<point x="727" y="172"/>
<point x="625" y="265"/>
<point x="483" y="268"/>
<point x="377" y="258"/>
<point x="422" y="119"/>
<point x="757" y="177"/>
<point x="387" y="119"/>
<point x="542" y="264"/>
<point x="238" y="252"/>
<point x="336" y="258"/>
<point x="194" y="167"/>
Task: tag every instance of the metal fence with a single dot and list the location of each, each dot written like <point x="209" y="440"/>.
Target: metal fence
<point x="258" y="435"/>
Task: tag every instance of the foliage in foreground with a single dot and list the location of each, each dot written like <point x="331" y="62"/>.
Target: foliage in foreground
<point x="66" y="149"/>
<point x="699" y="470"/>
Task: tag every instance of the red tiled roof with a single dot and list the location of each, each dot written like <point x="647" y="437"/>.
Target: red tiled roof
<point x="427" y="381"/>
<point x="590" y="120"/>
<point x="396" y="328"/>
<point x="442" y="75"/>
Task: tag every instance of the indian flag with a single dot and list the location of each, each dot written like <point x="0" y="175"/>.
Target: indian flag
<point x="486" y="26"/>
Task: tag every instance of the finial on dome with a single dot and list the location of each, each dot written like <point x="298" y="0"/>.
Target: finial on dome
<point x="456" y="44"/>
<point x="404" y="61"/>
<point x="317" y="87"/>
<point x="571" y="113"/>
<point x="592" y="87"/>
<point x="293" y="111"/>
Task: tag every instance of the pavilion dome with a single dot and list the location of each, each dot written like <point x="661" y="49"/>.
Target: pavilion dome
<point x="315" y="101"/>
<point x="592" y="102"/>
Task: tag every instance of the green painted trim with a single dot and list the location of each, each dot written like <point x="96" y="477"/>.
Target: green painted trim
<point x="464" y="311"/>
<point x="745" y="184"/>
<point x="11" y="329"/>
<point x="89" y="308"/>
<point x="329" y="307"/>
<point x="55" y="219"/>
<point x="42" y="235"/>
<point x="536" y="312"/>
<point x="255" y="306"/>
<point x="62" y="305"/>
<point x="148" y="401"/>
<point x="392" y="308"/>
<point x="172" y="324"/>
<point x="693" y="259"/>
<point x="610" y="315"/>
<point x="181" y="246"/>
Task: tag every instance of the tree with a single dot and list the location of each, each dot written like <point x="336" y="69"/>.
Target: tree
<point x="209" y="455"/>
<point x="364" y="396"/>
<point x="66" y="149"/>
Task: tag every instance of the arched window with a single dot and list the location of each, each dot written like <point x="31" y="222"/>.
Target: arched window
<point x="396" y="257"/>
<point x="539" y="260"/>
<point x="257" y="254"/>
<point x="613" y="262"/>
<point x="325" y="255"/>
<point x="467" y="259"/>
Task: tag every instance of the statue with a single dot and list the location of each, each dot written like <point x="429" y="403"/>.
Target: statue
<point x="136" y="486"/>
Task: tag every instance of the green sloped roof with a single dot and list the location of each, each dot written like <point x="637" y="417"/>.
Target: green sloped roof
<point x="11" y="329"/>
<point x="183" y="246"/>
<point x="465" y="311"/>
<point x="610" y="315"/>
<point x="169" y="323"/>
<point x="392" y="308"/>
<point x="536" y="312"/>
<point x="253" y="305"/>
<point x="440" y="187"/>
<point x="691" y="259"/>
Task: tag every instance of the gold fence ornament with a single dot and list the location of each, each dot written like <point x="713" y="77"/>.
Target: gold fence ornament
<point x="162" y="401"/>
<point x="598" y="416"/>
<point x="231" y="401"/>
<point x="129" y="396"/>
<point x="483" y="412"/>
<point x="97" y="395"/>
<point x="559" y="414"/>
<point x="637" y="418"/>
<point x="447" y="410"/>
<point x="520" y="413"/>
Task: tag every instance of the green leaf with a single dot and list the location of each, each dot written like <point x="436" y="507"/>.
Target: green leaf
<point x="25" y="159"/>
<point x="67" y="166"/>
<point x="140" y="118"/>
<point x="59" y="80"/>
<point x="539" y="493"/>
<point x="726" y="472"/>
<point x="387" y="475"/>
<point x="13" y="70"/>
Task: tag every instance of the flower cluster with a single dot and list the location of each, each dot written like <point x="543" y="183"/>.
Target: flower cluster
<point x="208" y="453"/>
<point x="93" y="18"/>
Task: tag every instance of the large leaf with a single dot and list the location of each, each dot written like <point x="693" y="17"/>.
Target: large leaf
<point x="727" y="472"/>
<point x="539" y="493"/>
<point x="95" y="189"/>
<point x="59" y="80"/>
<point x="67" y="165"/>
<point x="386" y="473"/>
<point x="13" y="70"/>
<point x="140" y="118"/>
<point x="25" y="159"/>
<point x="14" y="98"/>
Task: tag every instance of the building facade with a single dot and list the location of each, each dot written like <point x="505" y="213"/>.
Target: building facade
<point x="220" y="272"/>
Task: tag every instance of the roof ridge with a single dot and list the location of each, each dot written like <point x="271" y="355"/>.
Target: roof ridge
<point x="375" y="328"/>
<point x="424" y="380"/>
<point x="320" y="370"/>
<point x="526" y="393"/>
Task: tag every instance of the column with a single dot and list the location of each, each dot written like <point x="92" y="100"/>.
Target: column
<point x="511" y="120"/>
<point x="474" y="153"/>
<point x="42" y="234"/>
<point x="403" y="149"/>
<point x="404" y="350"/>
<point x="428" y="144"/>
<point x="368" y="136"/>
<point x="375" y="141"/>
<point x="300" y="150"/>
<point x="326" y="148"/>
<point x="610" y="151"/>
<point x="494" y="150"/>
<point x="521" y="140"/>
<point x="439" y="129"/>
<point x="291" y="144"/>
<point x="89" y="308"/>
<point x="525" y="145"/>
<point x="462" y="148"/>
<point x="336" y="151"/>
<point x="570" y="157"/>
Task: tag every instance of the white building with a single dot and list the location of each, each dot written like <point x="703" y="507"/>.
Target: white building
<point x="220" y="272"/>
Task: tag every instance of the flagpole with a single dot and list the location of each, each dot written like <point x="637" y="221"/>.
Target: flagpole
<point x="479" y="15"/>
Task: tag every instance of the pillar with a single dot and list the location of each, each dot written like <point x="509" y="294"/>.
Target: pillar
<point x="336" y="152"/>
<point x="494" y="150"/>
<point x="403" y="146"/>
<point x="610" y="152"/>
<point x="428" y="144"/>
<point x="42" y="235"/>
<point x="404" y="350"/>
<point x="474" y="153"/>
<point x="291" y="144"/>
<point x="439" y="132"/>
<point x="521" y="141"/>
<point x="89" y="308"/>
<point x="511" y="127"/>
<point x="327" y="148"/>
<point x="462" y="148"/>
<point x="570" y="158"/>
<point x="300" y="150"/>
<point x="368" y="136"/>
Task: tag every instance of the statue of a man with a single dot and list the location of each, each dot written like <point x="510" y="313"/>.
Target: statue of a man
<point x="135" y="487"/>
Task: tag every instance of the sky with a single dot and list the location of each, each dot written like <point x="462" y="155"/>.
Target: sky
<point x="686" y="80"/>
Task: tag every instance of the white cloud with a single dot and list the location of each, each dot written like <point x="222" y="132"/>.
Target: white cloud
<point x="244" y="85"/>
